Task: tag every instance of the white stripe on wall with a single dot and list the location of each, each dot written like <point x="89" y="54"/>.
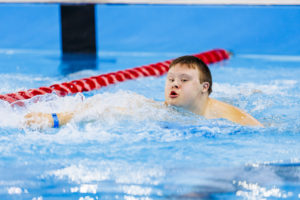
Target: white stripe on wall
<point x="188" y="2"/>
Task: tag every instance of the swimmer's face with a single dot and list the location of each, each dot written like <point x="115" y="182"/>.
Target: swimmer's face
<point x="183" y="87"/>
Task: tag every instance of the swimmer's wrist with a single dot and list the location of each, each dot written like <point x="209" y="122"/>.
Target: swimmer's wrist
<point x="55" y="120"/>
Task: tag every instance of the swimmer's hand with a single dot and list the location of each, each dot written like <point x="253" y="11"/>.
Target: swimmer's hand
<point x="45" y="120"/>
<point x="38" y="120"/>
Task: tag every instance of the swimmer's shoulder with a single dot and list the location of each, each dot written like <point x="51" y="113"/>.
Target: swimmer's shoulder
<point x="219" y="109"/>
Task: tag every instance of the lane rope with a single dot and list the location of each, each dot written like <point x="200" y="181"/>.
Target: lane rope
<point x="96" y="82"/>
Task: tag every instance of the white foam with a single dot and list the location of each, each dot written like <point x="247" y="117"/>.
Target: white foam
<point x="254" y="191"/>
<point x="86" y="198"/>
<point x="81" y="174"/>
<point x="107" y="106"/>
<point x="37" y="198"/>
<point x="14" y="190"/>
<point x="127" y="197"/>
<point x="240" y="94"/>
<point x="9" y="117"/>
<point x="122" y="105"/>
<point x="85" y="188"/>
<point x="136" y="190"/>
<point x="275" y="87"/>
<point x="118" y="171"/>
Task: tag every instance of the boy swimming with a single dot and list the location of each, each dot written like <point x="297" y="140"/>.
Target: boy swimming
<point x="188" y="85"/>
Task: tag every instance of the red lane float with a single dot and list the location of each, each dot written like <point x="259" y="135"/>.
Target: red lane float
<point x="96" y="82"/>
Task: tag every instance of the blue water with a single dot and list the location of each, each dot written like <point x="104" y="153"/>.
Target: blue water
<point x="154" y="152"/>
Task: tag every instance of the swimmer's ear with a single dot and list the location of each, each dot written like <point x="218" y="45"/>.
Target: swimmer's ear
<point x="205" y="86"/>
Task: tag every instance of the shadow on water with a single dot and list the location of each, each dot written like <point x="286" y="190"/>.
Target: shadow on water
<point x="257" y="181"/>
<point x="71" y="63"/>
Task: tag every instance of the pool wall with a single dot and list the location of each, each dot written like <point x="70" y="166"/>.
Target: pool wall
<point x="160" y="28"/>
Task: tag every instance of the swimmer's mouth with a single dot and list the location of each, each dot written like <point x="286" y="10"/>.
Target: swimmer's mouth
<point x="173" y="94"/>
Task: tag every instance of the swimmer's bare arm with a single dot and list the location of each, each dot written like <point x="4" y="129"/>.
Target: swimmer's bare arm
<point x="232" y="113"/>
<point x="45" y="120"/>
<point x="243" y="118"/>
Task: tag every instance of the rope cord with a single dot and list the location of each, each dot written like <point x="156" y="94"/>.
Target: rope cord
<point x="96" y="82"/>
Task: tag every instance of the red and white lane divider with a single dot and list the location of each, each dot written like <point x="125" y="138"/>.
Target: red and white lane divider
<point x="96" y="82"/>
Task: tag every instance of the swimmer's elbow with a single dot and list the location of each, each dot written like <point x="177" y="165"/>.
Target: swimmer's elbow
<point x="255" y="123"/>
<point x="259" y="124"/>
<point x="244" y="118"/>
<point x="250" y="121"/>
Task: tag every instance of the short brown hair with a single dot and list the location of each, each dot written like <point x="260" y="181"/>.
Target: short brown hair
<point x="194" y="62"/>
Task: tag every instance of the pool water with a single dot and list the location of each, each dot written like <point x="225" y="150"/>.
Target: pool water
<point x="152" y="152"/>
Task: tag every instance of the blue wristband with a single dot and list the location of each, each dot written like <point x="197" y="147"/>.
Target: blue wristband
<point x="55" y="120"/>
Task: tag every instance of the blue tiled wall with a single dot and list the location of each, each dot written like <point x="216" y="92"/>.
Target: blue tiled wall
<point x="152" y="28"/>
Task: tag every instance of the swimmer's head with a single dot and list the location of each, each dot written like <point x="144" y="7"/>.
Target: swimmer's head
<point x="195" y="63"/>
<point x="188" y="81"/>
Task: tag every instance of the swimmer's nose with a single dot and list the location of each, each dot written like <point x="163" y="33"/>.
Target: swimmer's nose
<point x="175" y="85"/>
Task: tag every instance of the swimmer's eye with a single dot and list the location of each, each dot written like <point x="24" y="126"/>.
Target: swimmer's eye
<point x="184" y="80"/>
<point x="171" y="79"/>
